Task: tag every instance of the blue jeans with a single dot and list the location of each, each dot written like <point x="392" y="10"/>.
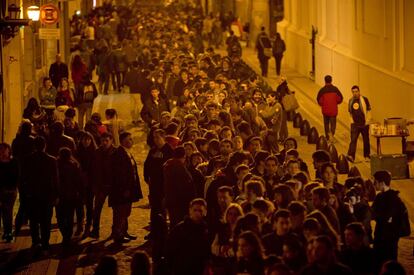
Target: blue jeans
<point x="329" y="123"/>
<point x="355" y="131"/>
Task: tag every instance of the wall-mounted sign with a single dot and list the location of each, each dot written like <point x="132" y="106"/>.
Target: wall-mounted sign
<point x="49" y="33"/>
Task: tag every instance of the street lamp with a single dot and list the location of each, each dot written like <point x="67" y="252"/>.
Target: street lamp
<point x="14" y="11"/>
<point x="33" y="13"/>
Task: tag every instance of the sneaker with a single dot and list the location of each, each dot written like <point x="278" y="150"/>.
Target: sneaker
<point x="130" y="237"/>
<point x="350" y="159"/>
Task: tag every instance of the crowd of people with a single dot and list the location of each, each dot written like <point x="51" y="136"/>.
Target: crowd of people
<point x="228" y="190"/>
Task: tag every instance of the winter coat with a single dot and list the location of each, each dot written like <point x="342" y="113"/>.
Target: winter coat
<point x="56" y="142"/>
<point x="57" y="72"/>
<point x="152" y="111"/>
<point x="40" y="180"/>
<point x="178" y="185"/>
<point x="102" y="170"/>
<point x="125" y="185"/>
<point x="328" y="98"/>
<point x="188" y="248"/>
<point x="389" y="212"/>
<point x="153" y="165"/>
<point x="70" y="182"/>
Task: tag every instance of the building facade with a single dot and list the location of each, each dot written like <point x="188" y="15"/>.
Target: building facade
<point x="359" y="42"/>
<point x="26" y="60"/>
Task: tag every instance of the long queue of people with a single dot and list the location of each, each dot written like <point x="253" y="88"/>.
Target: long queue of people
<point x="234" y="195"/>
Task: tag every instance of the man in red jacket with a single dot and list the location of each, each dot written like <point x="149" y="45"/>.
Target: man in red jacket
<point x="328" y="98"/>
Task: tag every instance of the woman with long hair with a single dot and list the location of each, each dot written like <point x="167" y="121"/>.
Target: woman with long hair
<point x="250" y="254"/>
<point x="78" y="71"/>
<point x="66" y="92"/>
<point x="224" y="247"/>
<point x="329" y="176"/>
<point x="282" y="196"/>
<point x="36" y="115"/>
<point x="326" y="227"/>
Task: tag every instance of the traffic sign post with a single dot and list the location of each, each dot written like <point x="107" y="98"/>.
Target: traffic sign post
<point x="49" y="14"/>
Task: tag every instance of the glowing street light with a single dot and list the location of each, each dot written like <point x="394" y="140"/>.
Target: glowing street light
<point x="33" y="12"/>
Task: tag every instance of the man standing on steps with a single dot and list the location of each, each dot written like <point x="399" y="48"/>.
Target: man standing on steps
<point x="329" y="97"/>
<point x="360" y="111"/>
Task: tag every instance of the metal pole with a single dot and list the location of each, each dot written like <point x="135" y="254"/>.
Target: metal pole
<point x="64" y="45"/>
<point x="1" y="88"/>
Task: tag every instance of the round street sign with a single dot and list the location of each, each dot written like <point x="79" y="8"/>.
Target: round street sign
<point x="49" y="14"/>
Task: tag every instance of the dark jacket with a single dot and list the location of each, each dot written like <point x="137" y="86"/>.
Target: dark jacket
<point x="55" y="143"/>
<point x="22" y="146"/>
<point x="188" y="248"/>
<point x="144" y="88"/>
<point x="152" y="111"/>
<point x="85" y="156"/>
<point x="178" y="184"/>
<point x="262" y="42"/>
<point x="273" y="243"/>
<point x="40" y="177"/>
<point x="93" y="128"/>
<point x="132" y="81"/>
<point x="389" y="211"/>
<point x="153" y="166"/>
<point x="334" y="268"/>
<point x="172" y="79"/>
<point x="125" y="187"/>
<point x="252" y="266"/>
<point x="179" y="87"/>
<point x="361" y="261"/>
<point x="282" y="90"/>
<point x="332" y="218"/>
<point x="57" y="72"/>
<point x="102" y="170"/>
<point x="278" y="47"/>
<point x="120" y="61"/>
<point x="70" y="182"/>
<point x="328" y="98"/>
<point x="9" y="174"/>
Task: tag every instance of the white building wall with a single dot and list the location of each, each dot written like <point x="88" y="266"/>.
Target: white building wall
<point x="365" y="42"/>
<point x="13" y="91"/>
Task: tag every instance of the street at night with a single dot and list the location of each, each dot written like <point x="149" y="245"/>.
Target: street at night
<point x="230" y="137"/>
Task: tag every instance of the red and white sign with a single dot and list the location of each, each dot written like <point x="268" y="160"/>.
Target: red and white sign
<point x="49" y="14"/>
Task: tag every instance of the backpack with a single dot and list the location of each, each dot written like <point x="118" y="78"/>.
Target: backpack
<point x="267" y="51"/>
